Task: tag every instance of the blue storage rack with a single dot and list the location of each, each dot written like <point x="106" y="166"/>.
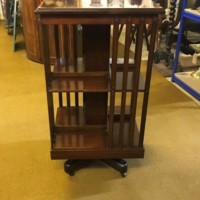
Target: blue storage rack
<point x="184" y="79"/>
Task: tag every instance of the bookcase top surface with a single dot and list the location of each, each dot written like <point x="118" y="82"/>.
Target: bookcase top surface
<point x="87" y="7"/>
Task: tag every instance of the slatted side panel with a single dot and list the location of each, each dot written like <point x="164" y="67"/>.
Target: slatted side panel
<point x="135" y="79"/>
<point x="65" y="42"/>
<point x="124" y="81"/>
<point x="126" y="129"/>
<point x="148" y="79"/>
<point x="113" y="70"/>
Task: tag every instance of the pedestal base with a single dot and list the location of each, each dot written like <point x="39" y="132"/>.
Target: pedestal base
<point x="120" y="165"/>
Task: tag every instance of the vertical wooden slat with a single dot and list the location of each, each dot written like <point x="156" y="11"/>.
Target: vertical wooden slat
<point x="113" y="79"/>
<point x="66" y="46"/>
<point x="133" y="31"/>
<point x="71" y="44"/>
<point x="57" y="47"/>
<point x="47" y="65"/>
<point x="57" y="42"/>
<point x="124" y="81"/>
<point x="148" y="80"/>
<point x="135" y="79"/>
<point x="75" y="33"/>
<point x="75" y="44"/>
<point x="120" y="30"/>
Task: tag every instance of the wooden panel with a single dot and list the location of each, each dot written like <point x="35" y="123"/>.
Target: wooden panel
<point x="96" y="108"/>
<point x="96" y="42"/>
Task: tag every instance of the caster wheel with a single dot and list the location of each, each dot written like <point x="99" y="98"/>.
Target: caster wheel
<point x="71" y="173"/>
<point x="124" y="174"/>
<point x="68" y="169"/>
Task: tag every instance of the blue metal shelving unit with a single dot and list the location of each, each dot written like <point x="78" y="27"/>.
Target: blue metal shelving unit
<point x="184" y="79"/>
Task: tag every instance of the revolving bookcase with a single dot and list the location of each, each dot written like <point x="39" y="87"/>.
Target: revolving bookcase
<point x="97" y="91"/>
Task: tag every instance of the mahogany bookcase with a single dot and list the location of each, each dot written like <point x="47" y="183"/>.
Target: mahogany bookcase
<point x="97" y="97"/>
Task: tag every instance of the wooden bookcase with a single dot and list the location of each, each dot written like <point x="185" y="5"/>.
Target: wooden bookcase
<point x="97" y="96"/>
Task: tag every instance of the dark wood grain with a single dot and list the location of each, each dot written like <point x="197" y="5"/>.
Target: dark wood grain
<point x="96" y="126"/>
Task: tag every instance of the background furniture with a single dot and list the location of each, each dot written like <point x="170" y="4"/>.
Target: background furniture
<point x="15" y="23"/>
<point x="7" y="9"/>
<point x="184" y="79"/>
<point x="31" y="29"/>
<point x="170" y="27"/>
<point x="11" y="18"/>
<point x="167" y="26"/>
<point x="97" y="103"/>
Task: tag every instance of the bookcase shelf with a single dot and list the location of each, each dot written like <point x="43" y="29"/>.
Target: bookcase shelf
<point x="83" y="84"/>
